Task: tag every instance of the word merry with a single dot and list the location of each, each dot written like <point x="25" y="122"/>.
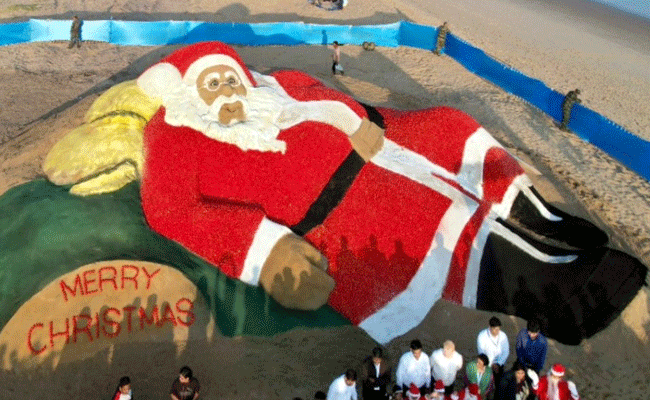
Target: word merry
<point x="107" y="324"/>
<point x="93" y="281"/>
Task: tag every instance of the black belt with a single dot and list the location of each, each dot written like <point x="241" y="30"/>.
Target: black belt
<point x="338" y="185"/>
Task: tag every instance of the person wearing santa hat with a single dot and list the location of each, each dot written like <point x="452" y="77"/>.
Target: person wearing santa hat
<point x="553" y="386"/>
<point x="438" y="392"/>
<point x="414" y="393"/>
<point x="284" y="183"/>
<point x="471" y="392"/>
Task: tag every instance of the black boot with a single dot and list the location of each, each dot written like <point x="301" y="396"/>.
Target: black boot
<point x="574" y="294"/>
<point x="566" y="231"/>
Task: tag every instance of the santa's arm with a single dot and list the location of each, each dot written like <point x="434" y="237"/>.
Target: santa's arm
<point x="573" y="390"/>
<point x="223" y="225"/>
<point x="259" y="251"/>
<point x="534" y="379"/>
<point x="318" y="103"/>
<point x="243" y="243"/>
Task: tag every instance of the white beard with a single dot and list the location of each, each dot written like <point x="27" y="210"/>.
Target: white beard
<point x="263" y="109"/>
<point x="553" y="393"/>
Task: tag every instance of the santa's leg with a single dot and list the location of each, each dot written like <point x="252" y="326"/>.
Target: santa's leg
<point x="575" y="292"/>
<point x="467" y="156"/>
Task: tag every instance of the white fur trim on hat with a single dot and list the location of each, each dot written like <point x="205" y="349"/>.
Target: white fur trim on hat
<point x="557" y="370"/>
<point x="160" y="79"/>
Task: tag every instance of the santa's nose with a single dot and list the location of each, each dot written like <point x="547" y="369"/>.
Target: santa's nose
<point x="226" y="90"/>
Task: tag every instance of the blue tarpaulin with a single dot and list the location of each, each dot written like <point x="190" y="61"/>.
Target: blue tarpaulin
<point x="15" y="33"/>
<point x="630" y="150"/>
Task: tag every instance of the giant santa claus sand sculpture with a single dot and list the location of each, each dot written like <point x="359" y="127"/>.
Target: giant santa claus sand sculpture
<point x="286" y="184"/>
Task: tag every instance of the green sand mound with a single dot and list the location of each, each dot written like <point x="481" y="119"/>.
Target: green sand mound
<point x="45" y="232"/>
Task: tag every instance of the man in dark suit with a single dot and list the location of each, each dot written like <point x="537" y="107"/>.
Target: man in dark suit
<point x="376" y="375"/>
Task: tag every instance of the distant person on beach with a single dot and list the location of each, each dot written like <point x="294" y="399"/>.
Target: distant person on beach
<point x="531" y="346"/>
<point x="336" y="59"/>
<point x="570" y="99"/>
<point x="441" y="39"/>
<point x="75" y="32"/>
<point x="123" y="391"/>
<point x="493" y="342"/>
<point x="554" y="387"/>
<point x="344" y="387"/>
<point x="376" y="376"/>
<point x="414" y="367"/>
<point x="186" y="386"/>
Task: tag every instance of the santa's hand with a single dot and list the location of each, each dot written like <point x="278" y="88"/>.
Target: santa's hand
<point x="533" y="377"/>
<point x="368" y="139"/>
<point x="573" y="389"/>
<point x="294" y="274"/>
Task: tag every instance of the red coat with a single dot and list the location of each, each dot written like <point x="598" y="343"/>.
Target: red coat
<point x="563" y="388"/>
<point x="211" y="197"/>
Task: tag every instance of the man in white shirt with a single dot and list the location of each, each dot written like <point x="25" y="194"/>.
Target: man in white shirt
<point x="446" y="362"/>
<point x="493" y="342"/>
<point x="414" y="367"/>
<point x="344" y="387"/>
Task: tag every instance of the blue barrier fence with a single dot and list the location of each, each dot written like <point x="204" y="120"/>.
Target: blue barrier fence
<point x="627" y="148"/>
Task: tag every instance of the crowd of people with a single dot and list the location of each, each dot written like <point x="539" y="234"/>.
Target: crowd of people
<point x="440" y="376"/>
<point x="437" y="377"/>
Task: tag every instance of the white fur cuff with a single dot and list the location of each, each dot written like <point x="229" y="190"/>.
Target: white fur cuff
<point x="267" y="235"/>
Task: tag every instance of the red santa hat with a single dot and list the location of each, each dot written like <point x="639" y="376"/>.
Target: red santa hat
<point x="439" y="387"/>
<point x="414" y="392"/>
<point x="188" y="62"/>
<point x="558" y="370"/>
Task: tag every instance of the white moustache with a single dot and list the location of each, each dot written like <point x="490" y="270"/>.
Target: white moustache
<point x="212" y="112"/>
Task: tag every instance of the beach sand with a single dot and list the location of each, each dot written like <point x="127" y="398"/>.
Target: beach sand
<point x="47" y="88"/>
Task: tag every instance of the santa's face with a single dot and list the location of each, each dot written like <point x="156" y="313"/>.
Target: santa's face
<point x="217" y="98"/>
<point x="222" y="82"/>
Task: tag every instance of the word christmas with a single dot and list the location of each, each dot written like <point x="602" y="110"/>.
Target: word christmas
<point x="110" y="321"/>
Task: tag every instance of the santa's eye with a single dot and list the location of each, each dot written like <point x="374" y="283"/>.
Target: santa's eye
<point x="213" y="84"/>
<point x="233" y="81"/>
